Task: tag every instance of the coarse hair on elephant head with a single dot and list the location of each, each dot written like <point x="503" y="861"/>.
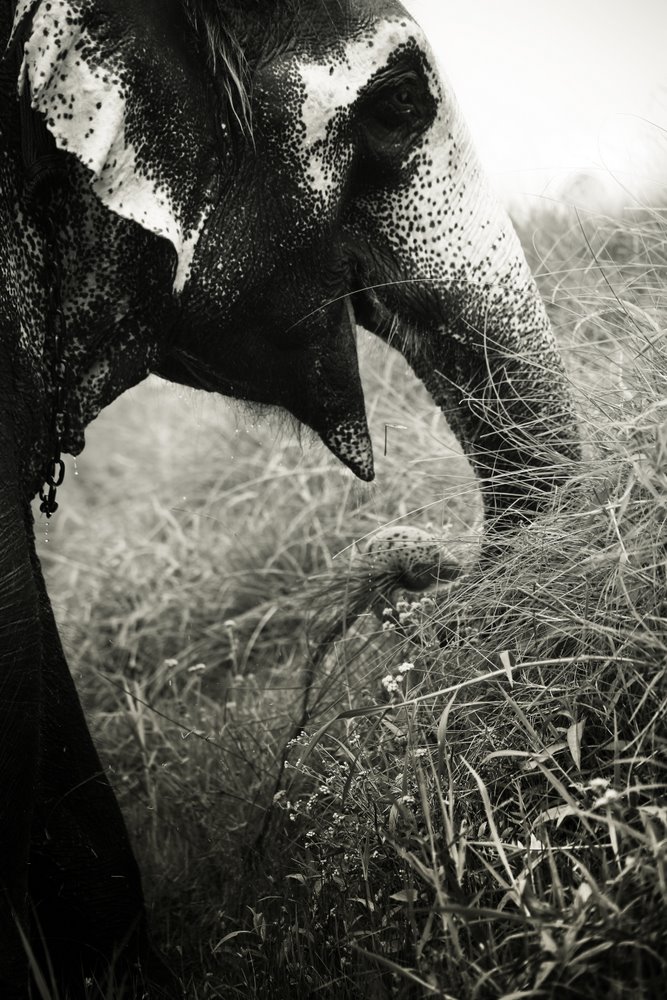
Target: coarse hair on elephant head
<point x="219" y="191"/>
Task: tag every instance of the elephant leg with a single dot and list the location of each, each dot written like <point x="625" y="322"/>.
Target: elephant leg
<point x="85" y="885"/>
<point x="19" y="711"/>
<point x="19" y="708"/>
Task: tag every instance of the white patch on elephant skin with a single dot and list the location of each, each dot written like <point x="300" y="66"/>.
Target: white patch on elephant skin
<point x="332" y="86"/>
<point x="85" y="110"/>
<point x="353" y="62"/>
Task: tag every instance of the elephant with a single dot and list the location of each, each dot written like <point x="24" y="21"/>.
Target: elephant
<point x="219" y="192"/>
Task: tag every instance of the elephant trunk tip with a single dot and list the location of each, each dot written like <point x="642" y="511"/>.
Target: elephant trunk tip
<point x="402" y="562"/>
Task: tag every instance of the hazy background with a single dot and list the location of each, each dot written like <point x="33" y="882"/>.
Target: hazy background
<point x="564" y="99"/>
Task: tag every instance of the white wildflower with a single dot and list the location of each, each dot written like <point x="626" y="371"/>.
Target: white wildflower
<point x="598" y="784"/>
<point x="604" y="800"/>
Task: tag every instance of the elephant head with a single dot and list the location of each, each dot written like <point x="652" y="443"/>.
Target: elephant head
<point x="254" y="180"/>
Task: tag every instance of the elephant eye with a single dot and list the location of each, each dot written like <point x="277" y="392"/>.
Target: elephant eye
<point x="394" y="112"/>
<point x="400" y="105"/>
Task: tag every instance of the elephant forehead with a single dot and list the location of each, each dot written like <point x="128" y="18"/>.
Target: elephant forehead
<point x="334" y="81"/>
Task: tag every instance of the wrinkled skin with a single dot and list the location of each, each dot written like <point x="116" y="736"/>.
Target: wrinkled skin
<point x="232" y="247"/>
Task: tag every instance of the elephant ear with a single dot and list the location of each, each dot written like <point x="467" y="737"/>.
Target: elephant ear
<point x="121" y="86"/>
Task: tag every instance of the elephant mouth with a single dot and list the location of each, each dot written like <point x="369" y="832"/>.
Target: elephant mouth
<point x="399" y="312"/>
<point x="197" y="374"/>
<point x="371" y="313"/>
<point x="409" y="314"/>
<point x="318" y="387"/>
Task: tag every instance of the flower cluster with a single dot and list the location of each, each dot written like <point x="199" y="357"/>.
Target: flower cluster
<point x="600" y="791"/>
<point x="418" y="621"/>
<point x="392" y="683"/>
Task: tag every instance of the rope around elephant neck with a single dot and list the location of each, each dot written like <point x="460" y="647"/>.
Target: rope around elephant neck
<point x="54" y="470"/>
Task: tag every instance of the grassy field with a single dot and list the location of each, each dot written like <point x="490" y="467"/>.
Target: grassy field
<point x="330" y="804"/>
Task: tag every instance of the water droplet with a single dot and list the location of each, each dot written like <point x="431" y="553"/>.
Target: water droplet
<point x="76" y="471"/>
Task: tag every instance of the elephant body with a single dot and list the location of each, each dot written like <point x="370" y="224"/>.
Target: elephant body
<point x="217" y="193"/>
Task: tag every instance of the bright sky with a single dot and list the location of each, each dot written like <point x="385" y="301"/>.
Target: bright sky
<point x="552" y="88"/>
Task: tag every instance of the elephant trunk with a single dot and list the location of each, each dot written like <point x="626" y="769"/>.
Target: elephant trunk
<point x="494" y="370"/>
<point x="464" y="310"/>
<point x="481" y="342"/>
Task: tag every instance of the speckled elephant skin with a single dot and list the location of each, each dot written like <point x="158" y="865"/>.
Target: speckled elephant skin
<point x="218" y="191"/>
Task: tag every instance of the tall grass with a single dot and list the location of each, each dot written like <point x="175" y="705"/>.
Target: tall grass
<point x="463" y="797"/>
